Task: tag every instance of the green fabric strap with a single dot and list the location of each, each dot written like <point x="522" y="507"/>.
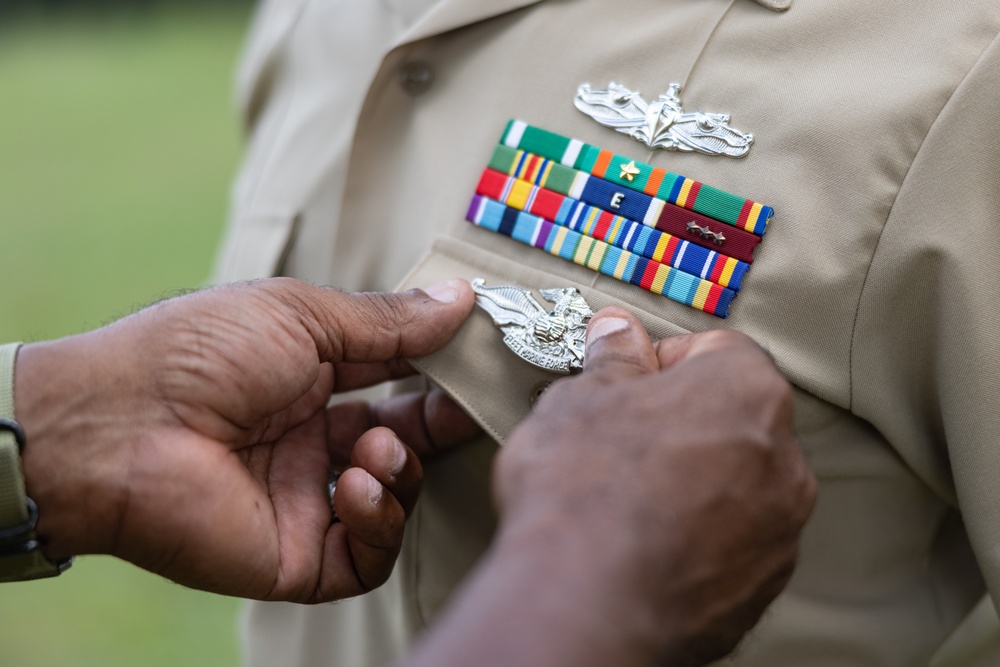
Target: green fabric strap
<point x="13" y="509"/>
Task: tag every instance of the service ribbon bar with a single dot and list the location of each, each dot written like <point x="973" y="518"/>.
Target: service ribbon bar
<point x="650" y="211"/>
<point x="684" y="192"/>
<point x="617" y="230"/>
<point x="599" y="256"/>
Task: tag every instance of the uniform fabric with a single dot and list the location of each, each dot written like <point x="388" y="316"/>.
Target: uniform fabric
<point x="874" y="128"/>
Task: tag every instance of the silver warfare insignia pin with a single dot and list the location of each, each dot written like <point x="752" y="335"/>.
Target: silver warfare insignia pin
<point x="554" y="340"/>
<point x="662" y="123"/>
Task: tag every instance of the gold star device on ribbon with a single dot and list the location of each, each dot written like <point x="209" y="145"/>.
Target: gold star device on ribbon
<point x="629" y="171"/>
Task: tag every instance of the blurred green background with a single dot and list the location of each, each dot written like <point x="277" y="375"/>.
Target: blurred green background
<point x="118" y="142"/>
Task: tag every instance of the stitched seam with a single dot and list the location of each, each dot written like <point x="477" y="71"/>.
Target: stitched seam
<point x="652" y="152"/>
<point x="708" y="40"/>
<point x="450" y="389"/>
<point x="294" y="85"/>
<point x="888" y="217"/>
<point x="465" y="262"/>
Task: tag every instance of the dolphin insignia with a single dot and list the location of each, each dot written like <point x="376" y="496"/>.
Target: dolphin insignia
<point x="663" y="122"/>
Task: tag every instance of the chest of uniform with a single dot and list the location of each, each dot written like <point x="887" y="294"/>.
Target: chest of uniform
<point x="838" y="103"/>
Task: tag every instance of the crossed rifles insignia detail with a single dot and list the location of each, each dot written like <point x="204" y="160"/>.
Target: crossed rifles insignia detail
<point x="662" y="123"/>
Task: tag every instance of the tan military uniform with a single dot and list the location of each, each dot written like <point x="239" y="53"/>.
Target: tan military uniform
<point x="876" y="144"/>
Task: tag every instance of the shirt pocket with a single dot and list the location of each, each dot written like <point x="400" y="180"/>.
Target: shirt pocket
<point x="255" y="246"/>
<point x="493" y="384"/>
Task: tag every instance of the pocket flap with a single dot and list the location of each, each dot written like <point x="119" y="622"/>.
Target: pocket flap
<point x="489" y="381"/>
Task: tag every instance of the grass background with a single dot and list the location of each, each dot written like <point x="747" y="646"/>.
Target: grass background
<point x="118" y="142"/>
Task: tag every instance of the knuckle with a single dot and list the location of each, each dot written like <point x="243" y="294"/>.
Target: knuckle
<point x="726" y="338"/>
<point x="611" y="365"/>
<point x="377" y="576"/>
<point x="761" y="441"/>
<point x="808" y="495"/>
<point x="770" y="397"/>
<point x="413" y="474"/>
<point x="384" y="309"/>
<point x="583" y="392"/>
<point x="280" y="291"/>
<point x="557" y="393"/>
<point x="777" y="386"/>
<point x="384" y="541"/>
<point x="385" y="314"/>
<point x="785" y="565"/>
<point x="795" y="507"/>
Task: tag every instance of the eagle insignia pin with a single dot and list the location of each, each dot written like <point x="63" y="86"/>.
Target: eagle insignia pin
<point x="554" y="340"/>
<point x="662" y="123"/>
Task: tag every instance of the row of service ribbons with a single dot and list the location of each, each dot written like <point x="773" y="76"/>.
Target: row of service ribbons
<point x="668" y="234"/>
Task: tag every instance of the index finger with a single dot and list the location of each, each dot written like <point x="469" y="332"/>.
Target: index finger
<point x="672" y="351"/>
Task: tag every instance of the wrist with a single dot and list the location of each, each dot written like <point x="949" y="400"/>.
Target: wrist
<point x="624" y="587"/>
<point x="580" y="613"/>
<point x="62" y="403"/>
<point x="590" y="577"/>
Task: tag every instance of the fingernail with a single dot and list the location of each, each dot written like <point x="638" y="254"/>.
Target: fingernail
<point x="604" y="327"/>
<point x="374" y="491"/>
<point x="398" y="460"/>
<point x="445" y="292"/>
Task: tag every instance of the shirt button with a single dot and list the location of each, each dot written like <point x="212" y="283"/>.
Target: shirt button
<point x="416" y="78"/>
<point x="537" y="391"/>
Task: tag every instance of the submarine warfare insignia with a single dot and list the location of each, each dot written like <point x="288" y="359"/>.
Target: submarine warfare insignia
<point x="552" y="340"/>
<point x="662" y="123"/>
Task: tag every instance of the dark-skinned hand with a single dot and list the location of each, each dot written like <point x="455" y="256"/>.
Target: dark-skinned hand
<point x="193" y="438"/>
<point x="650" y="510"/>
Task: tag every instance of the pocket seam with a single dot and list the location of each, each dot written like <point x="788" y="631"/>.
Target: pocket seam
<point x="459" y="253"/>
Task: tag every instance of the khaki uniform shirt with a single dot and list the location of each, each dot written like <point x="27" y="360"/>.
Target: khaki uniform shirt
<point x="875" y="142"/>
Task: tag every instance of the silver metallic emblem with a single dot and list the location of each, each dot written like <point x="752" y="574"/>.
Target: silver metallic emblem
<point x="662" y="123"/>
<point x="553" y="340"/>
<point x="331" y="488"/>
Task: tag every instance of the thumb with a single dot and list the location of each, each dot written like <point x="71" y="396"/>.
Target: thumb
<point x="617" y="343"/>
<point x="379" y="326"/>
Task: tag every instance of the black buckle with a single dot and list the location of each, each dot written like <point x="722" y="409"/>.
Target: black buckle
<point x="17" y="539"/>
<point x="15" y="428"/>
